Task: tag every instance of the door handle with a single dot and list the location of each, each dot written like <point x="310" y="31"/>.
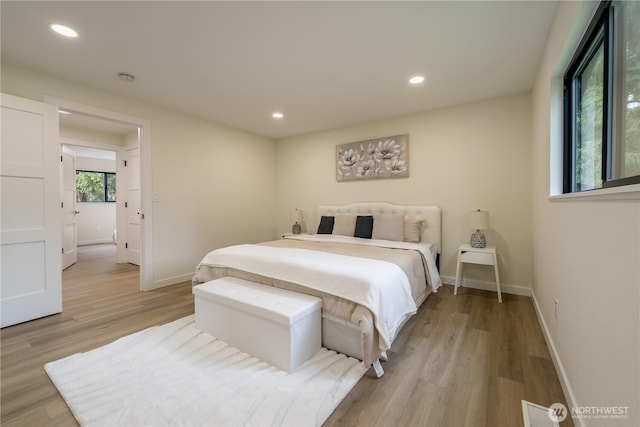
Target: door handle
<point x="76" y="212"/>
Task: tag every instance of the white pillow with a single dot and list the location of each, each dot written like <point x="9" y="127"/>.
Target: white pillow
<point x="388" y="227"/>
<point x="344" y="225"/>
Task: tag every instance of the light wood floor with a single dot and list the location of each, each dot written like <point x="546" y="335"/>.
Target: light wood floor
<point x="461" y="361"/>
<point x="101" y="303"/>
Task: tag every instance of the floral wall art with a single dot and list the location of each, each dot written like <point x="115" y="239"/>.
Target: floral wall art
<point x="386" y="157"/>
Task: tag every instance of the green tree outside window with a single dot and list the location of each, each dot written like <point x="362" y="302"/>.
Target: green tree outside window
<point x="95" y="186"/>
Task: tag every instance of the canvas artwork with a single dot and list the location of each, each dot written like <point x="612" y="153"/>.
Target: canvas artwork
<point x="386" y="157"/>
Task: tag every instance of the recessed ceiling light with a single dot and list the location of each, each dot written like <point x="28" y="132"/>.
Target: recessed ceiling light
<point x="416" y="80"/>
<point x="64" y="30"/>
<point x="277" y="115"/>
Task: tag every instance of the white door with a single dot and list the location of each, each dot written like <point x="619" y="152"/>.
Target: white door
<point x="134" y="229"/>
<point x="31" y="278"/>
<point x="69" y="212"/>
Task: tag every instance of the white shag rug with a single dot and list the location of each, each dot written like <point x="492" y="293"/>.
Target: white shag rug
<point x="176" y="375"/>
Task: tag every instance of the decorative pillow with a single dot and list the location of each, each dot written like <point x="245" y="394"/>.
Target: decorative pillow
<point x="344" y="225"/>
<point x="412" y="229"/>
<point x="326" y="225"/>
<point x="388" y="227"/>
<point x="364" y="227"/>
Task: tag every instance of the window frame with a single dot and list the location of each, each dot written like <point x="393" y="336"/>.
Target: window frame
<point x="600" y="32"/>
<point x="105" y="186"/>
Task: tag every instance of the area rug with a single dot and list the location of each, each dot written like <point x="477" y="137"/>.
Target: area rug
<point x="174" y="374"/>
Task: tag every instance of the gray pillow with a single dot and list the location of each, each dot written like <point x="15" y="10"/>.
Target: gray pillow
<point x="412" y="228"/>
<point x="344" y="225"/>
<point x="388" y="227"/>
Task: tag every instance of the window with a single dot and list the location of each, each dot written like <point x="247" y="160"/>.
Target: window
<point x="95" y="186"/>
<point x="602" y="102"/>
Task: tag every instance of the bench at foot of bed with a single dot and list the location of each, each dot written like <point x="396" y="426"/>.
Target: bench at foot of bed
<point x="278" y="326"/>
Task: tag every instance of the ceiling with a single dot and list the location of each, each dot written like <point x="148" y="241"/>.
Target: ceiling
<point x="322" y="64"/>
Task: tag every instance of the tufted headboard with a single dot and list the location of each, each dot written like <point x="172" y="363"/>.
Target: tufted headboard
<point x="431" y="215"/>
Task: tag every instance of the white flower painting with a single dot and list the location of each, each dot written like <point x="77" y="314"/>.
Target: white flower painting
<point x="376" y="158"/>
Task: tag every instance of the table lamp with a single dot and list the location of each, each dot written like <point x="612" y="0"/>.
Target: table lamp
<point x="479" y="220"/>
<point x="296" y="218"/>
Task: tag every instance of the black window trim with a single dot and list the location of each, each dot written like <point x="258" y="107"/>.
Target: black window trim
<point x="601" y="27"/>
<point x="106" y="192"/>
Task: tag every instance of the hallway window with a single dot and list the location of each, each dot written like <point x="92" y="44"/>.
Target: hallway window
<point x="94" y="186"/>
<point x="602" y="102"/>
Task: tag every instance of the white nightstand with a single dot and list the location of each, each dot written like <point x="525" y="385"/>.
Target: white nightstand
<point x="485" y="256"/>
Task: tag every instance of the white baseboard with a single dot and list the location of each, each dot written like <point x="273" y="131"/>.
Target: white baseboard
<point x="171" y="281"/>
<point x="557" y="363"/>
<point x="488" y="286"/>
<point x="95" y="241"/>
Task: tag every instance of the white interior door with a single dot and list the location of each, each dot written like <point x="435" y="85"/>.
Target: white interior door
<point x="134" y="229"/>
<point x="31" y="278"/>
<point x="69" y="212"/>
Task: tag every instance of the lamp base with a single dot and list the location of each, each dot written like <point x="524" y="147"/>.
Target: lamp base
<point x="478" y="240"/>
<point x="296" y="229"/>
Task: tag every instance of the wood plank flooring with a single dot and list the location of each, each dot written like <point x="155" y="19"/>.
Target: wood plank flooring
<point x="461" y="361"/>
<point x="101" y="303"/>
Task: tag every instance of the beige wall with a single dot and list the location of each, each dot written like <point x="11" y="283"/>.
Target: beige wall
<point x="461" y="158"/>
<point x="587" y="255"/>
<point x="91" y="136"/>
<point x="216" y="185"/>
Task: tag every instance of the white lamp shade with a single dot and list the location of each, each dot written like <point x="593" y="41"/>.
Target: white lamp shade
<point x="296" y="216"/>
<point x="479" y="220"/>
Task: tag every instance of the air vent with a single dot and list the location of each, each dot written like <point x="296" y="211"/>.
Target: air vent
<point x="539" y="416"/>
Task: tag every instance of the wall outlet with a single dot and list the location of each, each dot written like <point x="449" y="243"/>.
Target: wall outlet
<point x="557" y="311"/>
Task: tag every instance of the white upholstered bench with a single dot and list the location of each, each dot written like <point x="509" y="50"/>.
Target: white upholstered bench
<point x="280" y="327"/>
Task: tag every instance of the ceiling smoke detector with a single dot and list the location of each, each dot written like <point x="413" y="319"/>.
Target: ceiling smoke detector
<point x="126" y="77"/>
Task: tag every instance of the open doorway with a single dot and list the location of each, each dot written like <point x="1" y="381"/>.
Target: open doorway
<point x="89" y="198"/>
<point x="144" y="215"/>
<point x="100" y="178"/>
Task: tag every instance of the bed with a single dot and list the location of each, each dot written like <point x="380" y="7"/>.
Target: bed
<point x="370" y="284"/>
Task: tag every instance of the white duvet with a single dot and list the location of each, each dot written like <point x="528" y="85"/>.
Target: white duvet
<point x="427" y="250"/>
<point x="380" y="286"/>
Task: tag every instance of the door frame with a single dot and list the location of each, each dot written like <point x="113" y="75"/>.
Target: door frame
<point x="146" y="258"/>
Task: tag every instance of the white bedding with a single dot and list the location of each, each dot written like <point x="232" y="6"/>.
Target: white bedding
<point x="380" y="286"/>
<point x="428" y="250"/>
